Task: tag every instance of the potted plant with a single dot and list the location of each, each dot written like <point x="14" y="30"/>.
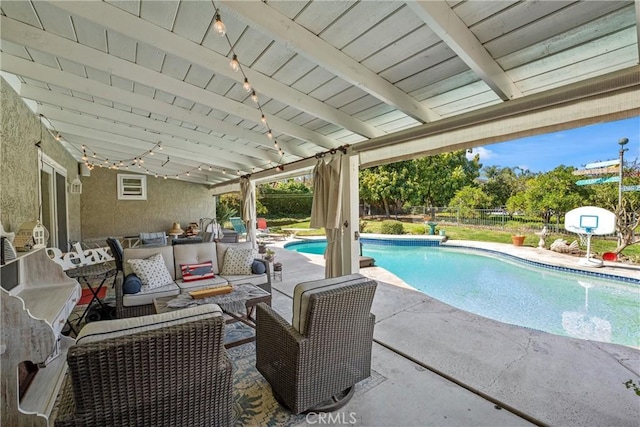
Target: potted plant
<point x="269" y="255"/>
<point x="518" y="239"/>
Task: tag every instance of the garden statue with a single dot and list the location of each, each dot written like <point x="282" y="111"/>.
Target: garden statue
<point x="543" y="235"/>
<point x="561" y="245"/>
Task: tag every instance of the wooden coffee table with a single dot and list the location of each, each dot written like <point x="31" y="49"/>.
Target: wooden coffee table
<point x="257" y="295"/>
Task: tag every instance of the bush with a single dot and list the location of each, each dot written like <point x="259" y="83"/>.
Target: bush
<point x="391" y="227"/>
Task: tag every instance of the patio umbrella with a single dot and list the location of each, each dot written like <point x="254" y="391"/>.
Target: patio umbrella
<point x="326" y="211"/>
<point x="248" y="193"/>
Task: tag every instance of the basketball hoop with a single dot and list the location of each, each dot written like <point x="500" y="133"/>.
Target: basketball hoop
<point x="587" y="221"/>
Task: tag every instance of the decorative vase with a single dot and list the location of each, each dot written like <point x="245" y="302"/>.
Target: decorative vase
<point x="518" y="240"/>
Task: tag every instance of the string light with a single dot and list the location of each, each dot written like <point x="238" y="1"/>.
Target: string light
<point x="234" y="64"/>
<point x="219" y="26"/>
<point x="246" y="85"/>
<point x="237" y="67"/>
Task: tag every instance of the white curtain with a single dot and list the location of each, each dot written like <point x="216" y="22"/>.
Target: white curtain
<point x="326" y="211"/>
<point x="248" y="194"/>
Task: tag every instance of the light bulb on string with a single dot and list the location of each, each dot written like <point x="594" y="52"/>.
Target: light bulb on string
<point x="246" y="85"/>
<point x="263" y="119"/>
<point x="210" y="169"/>
<point x="254" y="97"/>
<point x="234" y="64"/>
<point x="200" y="167"/>
<point x="219" y="26"/>
<point x="270" y="134"/>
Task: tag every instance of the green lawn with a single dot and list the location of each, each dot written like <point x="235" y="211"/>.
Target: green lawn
<point x="598" y="245"/>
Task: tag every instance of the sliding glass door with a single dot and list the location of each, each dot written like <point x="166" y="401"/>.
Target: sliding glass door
<point x="53" y="202"/>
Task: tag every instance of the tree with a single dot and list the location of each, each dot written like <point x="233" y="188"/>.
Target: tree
<point x="628" y="211"/>
<point x="387" y="185"/>
<point x="469" y="198"/>
<point x="501" y="183"/>
<point x="439" y="177"/>
<point x="548" y="193"/>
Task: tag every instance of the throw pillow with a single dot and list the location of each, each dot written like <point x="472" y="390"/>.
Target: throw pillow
<point x="193" y="272"/>
<point x="152" y="271"/>
<point x="258" y="268"/>
<point x="238" y="261"/>
<point x="132" y="284"/>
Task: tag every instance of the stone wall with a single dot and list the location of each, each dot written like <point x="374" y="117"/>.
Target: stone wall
<point x="20" y="130"/>
<point x="168" y="201"/>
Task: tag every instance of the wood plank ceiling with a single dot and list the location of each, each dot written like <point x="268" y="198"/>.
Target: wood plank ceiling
<point x="124" y="78"/>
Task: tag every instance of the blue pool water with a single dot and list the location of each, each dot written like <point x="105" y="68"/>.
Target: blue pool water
<point x="561" y="303"/>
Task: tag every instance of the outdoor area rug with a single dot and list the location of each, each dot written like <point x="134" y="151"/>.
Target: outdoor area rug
<point x="253" y="402"/>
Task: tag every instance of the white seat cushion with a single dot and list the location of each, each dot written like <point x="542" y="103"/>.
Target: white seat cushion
<point x="195" y="253"/>
<point x="254" y="279"/>
<point x="98" y="331"/>
<point x="303" y="291"/>
<point x="199" y="284"/>
<point x="145" y="297"/>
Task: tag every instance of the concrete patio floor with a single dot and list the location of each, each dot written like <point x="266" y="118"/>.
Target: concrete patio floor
<point x="447" y="367"/>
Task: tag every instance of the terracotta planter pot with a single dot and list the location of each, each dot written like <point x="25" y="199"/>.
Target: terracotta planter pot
<point x="518" y="240"/>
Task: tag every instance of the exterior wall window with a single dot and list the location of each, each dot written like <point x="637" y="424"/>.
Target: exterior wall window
<point x="132" y="187"/>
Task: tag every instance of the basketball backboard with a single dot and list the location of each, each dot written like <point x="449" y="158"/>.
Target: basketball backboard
<point x="590" y="220"/>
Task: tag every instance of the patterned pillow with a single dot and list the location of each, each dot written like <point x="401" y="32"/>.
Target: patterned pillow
<point x="152" y="272"/>
<point x="238" y="261"/>
<point x="193" y="272"/>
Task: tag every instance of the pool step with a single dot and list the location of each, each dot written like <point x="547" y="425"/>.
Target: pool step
<point x="366" y="261"/>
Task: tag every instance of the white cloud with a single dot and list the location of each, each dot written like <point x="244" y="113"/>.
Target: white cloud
<point x="484" y="153"/>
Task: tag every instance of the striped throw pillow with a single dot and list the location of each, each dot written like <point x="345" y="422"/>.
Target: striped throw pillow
<point x="193" y="272"/>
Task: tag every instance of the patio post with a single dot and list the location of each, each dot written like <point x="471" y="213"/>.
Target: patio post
<point x="350" y="215"/>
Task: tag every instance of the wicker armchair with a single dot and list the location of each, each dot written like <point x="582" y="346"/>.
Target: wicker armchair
<point x="325" y="351"/>
<point x="169" y="369"/>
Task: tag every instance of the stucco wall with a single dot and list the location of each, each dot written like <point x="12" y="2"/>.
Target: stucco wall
<point x="168" y="201"/>
<point x="20" y="130"/>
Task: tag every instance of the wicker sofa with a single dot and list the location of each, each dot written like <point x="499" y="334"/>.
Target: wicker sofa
<point x="325" y="351"/>
<point x="168" y="369"/>
<point x="140" y="304"/>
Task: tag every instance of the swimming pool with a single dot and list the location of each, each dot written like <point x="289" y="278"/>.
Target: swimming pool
<point x="513" y="292"/>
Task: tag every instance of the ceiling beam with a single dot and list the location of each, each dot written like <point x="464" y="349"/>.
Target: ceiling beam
<point x="307" y="44"/>
<point x="49" y="75"/>
<point x="80" y="105"/>
<point x="93" y="139"/>
<point x="189" y="151"/>
<point x="114" y="150"/>
<point x="444" y="22"/>
<point x="32" y="37"/>
<point x="136" y="28"/>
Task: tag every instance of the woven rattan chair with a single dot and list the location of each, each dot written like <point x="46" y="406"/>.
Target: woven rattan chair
<point x="129" y="374"/>
<point x="326" y="350"/>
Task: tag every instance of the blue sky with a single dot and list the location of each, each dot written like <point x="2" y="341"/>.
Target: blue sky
<point x="574" y="147"/>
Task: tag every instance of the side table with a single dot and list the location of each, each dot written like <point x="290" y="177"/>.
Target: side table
<point x="277" y="271"/>
<point x="87" y="276"/>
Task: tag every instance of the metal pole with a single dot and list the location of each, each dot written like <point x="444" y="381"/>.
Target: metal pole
<point x="622" y="142"/>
